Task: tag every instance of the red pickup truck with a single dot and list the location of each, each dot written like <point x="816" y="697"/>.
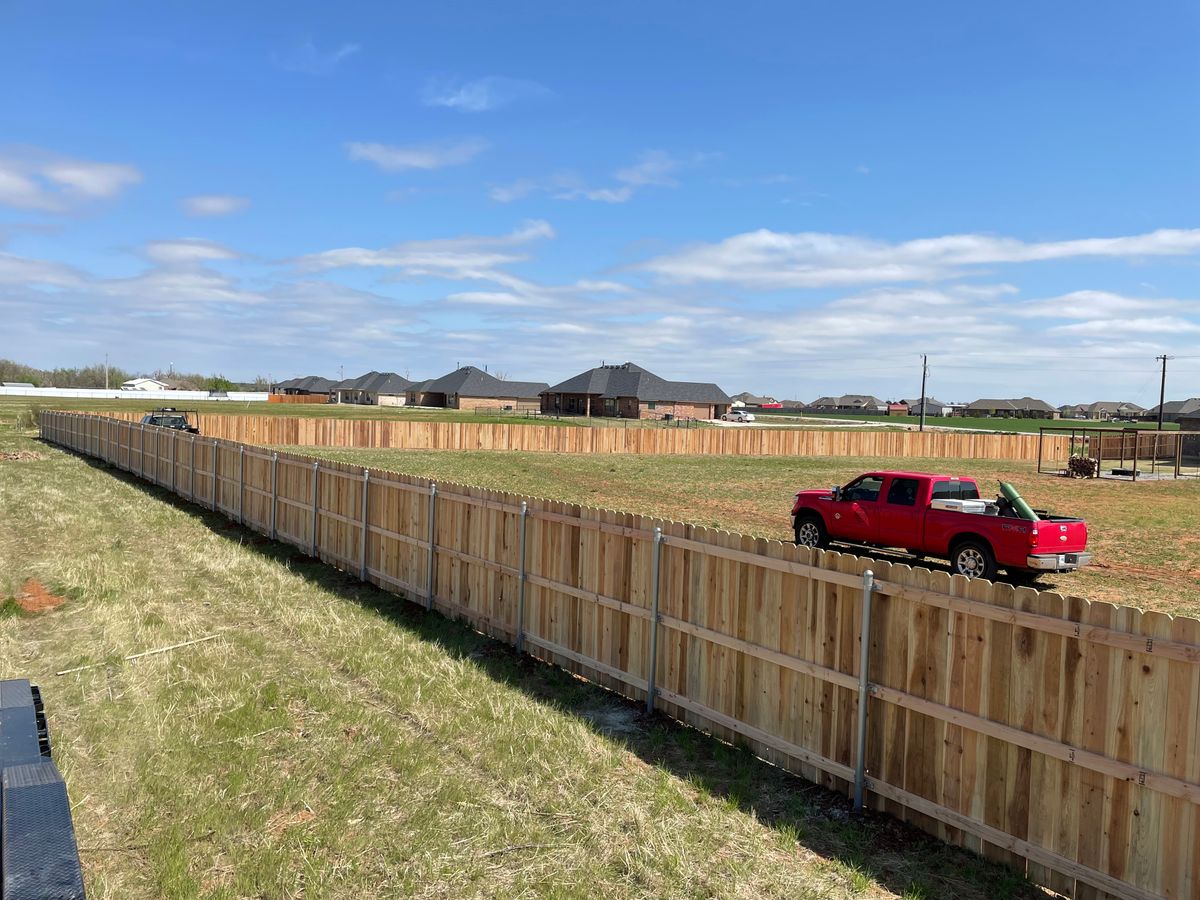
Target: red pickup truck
<point x="942" y="516"/>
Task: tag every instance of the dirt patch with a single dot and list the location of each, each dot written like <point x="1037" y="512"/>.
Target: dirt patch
<point x="20" y="456"/>
<point x="34" y="597"/>
<point x="284" y="820"/>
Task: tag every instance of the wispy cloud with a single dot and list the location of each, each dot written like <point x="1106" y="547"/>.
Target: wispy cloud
<point x="655" y="168"/>
<point x="35" y="179"/>
<point x="770" y="260"/>
<point x="397" y="158"/>
<point x="207" y="205"/>
<point x="306" y="58"/>
<point x="186" y="251"/>
<point x="481" y="94"/>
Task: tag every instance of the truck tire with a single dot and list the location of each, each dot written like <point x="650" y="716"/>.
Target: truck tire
<point x="974" y="559"/>
<point x="810" y="532"/>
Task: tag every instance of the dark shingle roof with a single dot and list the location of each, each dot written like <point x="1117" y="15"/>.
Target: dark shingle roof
<point x="314" y="384"/>
<point x="1177" y="408"/>
<point x="472" y="382"/>
<point x="1018" y="404"/>
<point x="629" y="380"/>
<point x="375" y="383"/>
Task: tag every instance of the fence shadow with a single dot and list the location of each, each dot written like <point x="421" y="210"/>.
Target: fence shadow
<point x="899" y="857"/>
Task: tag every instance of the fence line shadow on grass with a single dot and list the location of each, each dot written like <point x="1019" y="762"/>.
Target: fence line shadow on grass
<point x="898" y="856"/>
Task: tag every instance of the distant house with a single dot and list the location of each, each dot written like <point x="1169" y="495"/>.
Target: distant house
<point x="862" y="403"/>
<point x="747" y="399"/>
<point x="472" y="388"/>
<point x="372" y="389"/>
<point x="1020" y="408"/>
<point x="933" y="407"/>
<point x="1174" y="411"/>
<point x="1103" y="410"/>
<point x="631" y="392"/>
<point x="145" y="384"/>
<point x="309" y="384"/>
<point x="897" y="409"/>
<point x="1073" y="411"/>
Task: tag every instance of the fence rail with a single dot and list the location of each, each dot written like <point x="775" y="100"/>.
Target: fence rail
<point x="1052" y="733"/>
<point x="381" y="433"/>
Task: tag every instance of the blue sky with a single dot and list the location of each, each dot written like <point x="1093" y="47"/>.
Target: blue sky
<point x="784" y="198"/>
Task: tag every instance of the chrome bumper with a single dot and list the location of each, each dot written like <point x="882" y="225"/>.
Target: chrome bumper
<point x="1058" y="562"/>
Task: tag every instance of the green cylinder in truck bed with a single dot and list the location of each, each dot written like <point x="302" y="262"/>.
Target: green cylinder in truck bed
<point x="1012" y="496"/>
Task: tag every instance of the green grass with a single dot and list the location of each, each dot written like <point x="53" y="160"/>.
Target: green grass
<point x="972" y="422"/>
<point x="18" y="410"/>
<point x="338" y="742"/>
<point x="1146" y="536"/>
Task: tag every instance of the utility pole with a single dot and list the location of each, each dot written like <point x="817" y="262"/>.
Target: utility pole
<point x="1162" y="390"/>
<point x="924" y="375"/>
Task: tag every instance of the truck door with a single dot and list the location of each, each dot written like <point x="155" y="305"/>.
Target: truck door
<point x="900" y="518"/>
<point x="856" y="514"/>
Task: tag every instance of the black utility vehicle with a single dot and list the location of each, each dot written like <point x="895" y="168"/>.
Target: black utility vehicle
<point x="169" y="417"/>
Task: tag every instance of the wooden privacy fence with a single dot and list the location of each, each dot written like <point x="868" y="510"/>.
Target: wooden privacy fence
<point x="324" y="432"/>
<point x="1053" y="733"/>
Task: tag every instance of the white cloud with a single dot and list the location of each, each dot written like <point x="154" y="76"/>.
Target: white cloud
<point x="482" y="94"/>
<point x="1127" y="325"/>
<point x="770" y="260"/>
<point x="305" y="57"/>
<point x="38" y="180"/>
<point x="654" y="168"/>
<point x="470" y="256"/>
<point x="20" y="270"/>
<point x="186" y="251"/>
<point x="1100" y="305"/>
<point x="395" y="158"/>
<point x="205" y="205"/>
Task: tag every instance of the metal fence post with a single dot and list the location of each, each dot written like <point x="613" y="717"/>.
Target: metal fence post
<point x="521" y="578"/>
<point x="241" y="485"/>
<point x="655" y="569"/>
<point x="362" y="538"/>
<point x="432" y="545"/>
<point x="864" y="665"/>
<point x="274" y="491"/>
<point x="315" y="513"/>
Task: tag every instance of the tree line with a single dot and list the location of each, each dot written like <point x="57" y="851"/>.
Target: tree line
<point x="93" y="376"/>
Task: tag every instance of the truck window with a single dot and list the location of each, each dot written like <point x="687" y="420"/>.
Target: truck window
<point x="903" y="492"/>
<point x="955" y="490"/>
<point x="865" y="489"/>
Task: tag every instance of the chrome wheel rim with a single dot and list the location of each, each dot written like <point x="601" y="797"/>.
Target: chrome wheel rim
<point x="970" y="562"/>
<point x="808" y="534"/>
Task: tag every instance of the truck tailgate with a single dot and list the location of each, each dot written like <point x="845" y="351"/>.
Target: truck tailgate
<point x="1059" y="534"/>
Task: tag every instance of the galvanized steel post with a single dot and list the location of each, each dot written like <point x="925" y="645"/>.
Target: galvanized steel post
<point x="216" y="477"/>
<point x="274" y="491"/>
<point x="864" y="665"/>
<point x="655" y="568"/>
<point x="362" y="538"/>
<point x="521" y="577"/>
<point x="315" y="519"/>
<point x="429" y="567"/>
<point x="241" y="485"/>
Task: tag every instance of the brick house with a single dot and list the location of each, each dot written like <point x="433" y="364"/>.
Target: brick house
<point x="372" y="389"/>
<point x="630" y="392"/>
<point x="1175" y="411"/>
<point x="472" y="388"/>
<point x="1020" y="408"/>
<point x="864" y="403"/>
<point x="309" y="384"/>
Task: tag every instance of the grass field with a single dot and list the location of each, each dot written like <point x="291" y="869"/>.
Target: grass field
<point x="334" y="741"/>
<point x="14" y="410"/>
<point x="974" y="422"/>
<point x="1146" y="536"/>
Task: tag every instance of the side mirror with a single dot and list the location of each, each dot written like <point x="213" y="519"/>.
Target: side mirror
<point x="836" y="492"/>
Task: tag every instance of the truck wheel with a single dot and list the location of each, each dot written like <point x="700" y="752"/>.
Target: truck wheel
<point x="973" y="559"/>
<point x="810" y="532"/>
